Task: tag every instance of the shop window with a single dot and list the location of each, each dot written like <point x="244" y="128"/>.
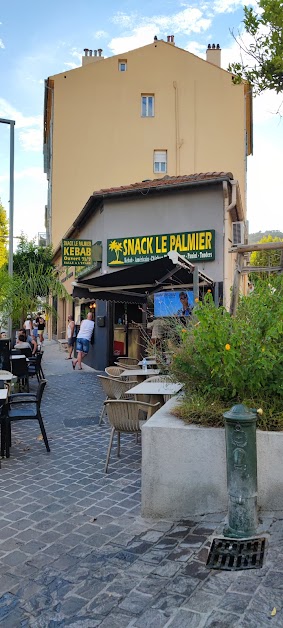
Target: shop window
<point x="147" y="105"/>
<point x="160" y="161"/>
<point x="122" y="65"/>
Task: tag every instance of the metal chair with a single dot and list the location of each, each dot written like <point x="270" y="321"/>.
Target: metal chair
<point x="114" y="371"/>
<point x="20" y="370"/>
<point x="23" y="407"/>
<point x="125" y="416"/>
<point x="34" y="367"/>
<point x="114" y="388"/>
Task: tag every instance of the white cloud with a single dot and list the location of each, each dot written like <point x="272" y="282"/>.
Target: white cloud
<point x="100" y="34"/>
<point x="2" y="44"/>
<point x="143" y="29"/>
<point x="71" y="65"/>
<point x="29" y="206"/>
<point x="30" y="135"/>
<point x="196" y="49"/>
<point x="31" y="139"/>
<point x="229" y="6"/>
<point x="264" y="184"/>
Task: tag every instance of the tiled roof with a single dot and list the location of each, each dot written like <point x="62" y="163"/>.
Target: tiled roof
<point x="165" y="182"/>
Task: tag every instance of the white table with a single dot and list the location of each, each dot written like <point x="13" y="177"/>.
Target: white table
<point x="3" y="394"/>
<point x="156" y="390"/>
<point x="6" y="376"/>
<point x="150" y="362"/>
<point x="139" y="373"/>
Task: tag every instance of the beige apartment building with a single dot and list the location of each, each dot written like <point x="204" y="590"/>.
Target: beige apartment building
<point x="155" y="111"/>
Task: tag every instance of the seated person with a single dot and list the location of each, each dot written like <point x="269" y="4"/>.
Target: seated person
<point x="26" y="342"/>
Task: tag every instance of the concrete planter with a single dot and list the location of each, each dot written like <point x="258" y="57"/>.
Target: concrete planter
<point x="184" y="468"/>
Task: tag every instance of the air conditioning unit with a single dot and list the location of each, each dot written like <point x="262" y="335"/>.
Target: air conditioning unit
<point x="238" y="233"/>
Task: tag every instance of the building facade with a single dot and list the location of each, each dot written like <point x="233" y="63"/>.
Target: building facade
<point x="134" y="229"/>
<point x="157" y="110"/>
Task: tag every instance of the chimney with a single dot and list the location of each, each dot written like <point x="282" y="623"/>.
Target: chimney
<point x="170" y="40"/>
<point x="92" y="56"/>
<point x="213" y="54"/>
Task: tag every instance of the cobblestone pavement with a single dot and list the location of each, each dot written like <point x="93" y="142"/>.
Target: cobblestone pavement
<point x="75" y="550"/>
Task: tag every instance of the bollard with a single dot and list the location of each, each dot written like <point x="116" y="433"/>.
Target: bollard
<point x="240" y="432"/>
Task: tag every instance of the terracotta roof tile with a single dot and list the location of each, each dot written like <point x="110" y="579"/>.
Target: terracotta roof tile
<point x="164" y="182"/>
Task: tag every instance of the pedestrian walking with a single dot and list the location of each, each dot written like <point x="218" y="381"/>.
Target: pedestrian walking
<point x="83" y="340"/>
<point x="41" y="327"/>
<point x="71" y="337"/>
<point x="28" y="326"/>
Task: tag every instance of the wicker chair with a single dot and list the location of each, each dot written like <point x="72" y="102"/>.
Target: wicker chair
<point x="127" y="362"/>
<point x="124" y="416"/>
<point x="114" y="388"/>
<point x="114" y="371"/>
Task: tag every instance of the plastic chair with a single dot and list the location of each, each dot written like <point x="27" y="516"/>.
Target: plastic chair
<point x="114" y="388"/>
<point x="160" y="378"/>
<point x="23" y="407"/>
<point x="114" y="371"/>
<point x="127" y="362"/>
<point x="124" y="416"/>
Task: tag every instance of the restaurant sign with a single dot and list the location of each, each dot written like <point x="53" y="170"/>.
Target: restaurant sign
<point x="76" y="252"/>
<point x="195" y="246"/>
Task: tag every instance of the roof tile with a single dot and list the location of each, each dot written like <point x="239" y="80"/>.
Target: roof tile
<point x="164" y="182"/>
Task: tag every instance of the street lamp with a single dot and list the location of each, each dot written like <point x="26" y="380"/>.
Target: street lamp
<point x="11" y="208"/>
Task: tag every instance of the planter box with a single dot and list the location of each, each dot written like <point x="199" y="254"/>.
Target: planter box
<point x="184" y="468"/>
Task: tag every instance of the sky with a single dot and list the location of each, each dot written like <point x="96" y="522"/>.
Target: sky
<point x="38" y="40"/>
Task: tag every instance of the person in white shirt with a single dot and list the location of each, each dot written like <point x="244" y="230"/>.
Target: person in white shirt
<point x="83" y="340"/>
<point x="28" y="326"/>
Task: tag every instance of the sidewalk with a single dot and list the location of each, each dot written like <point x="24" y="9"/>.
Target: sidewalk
<point x="75" y="550"/>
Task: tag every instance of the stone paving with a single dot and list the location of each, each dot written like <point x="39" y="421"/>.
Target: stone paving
<point x="75" y="551"/>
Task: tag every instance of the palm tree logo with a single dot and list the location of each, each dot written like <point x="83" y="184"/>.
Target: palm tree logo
<point x="117" y="248"/>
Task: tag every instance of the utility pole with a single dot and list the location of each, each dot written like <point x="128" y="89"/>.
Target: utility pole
<point x="11" y="205"/>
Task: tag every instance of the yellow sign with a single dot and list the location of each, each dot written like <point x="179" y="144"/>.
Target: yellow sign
<point x="194" y="245"/>
<point x="76" y="252"/>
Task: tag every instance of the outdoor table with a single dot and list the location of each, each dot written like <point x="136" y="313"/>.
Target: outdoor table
<point x="18" y="357"/>
<point x="6" y="376"/>
<point x="149" y="361"/>
<point x="3" y="395"/>
<point x="155" y="390"/>
<point x="135" y="373"/>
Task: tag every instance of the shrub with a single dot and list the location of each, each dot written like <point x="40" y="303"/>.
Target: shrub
<point x="228" y="359"/>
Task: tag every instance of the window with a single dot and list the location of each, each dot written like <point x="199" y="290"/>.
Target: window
<point x="160" y="161"/>
<point x="147" y="105"/>
<point x="122" y="65"/>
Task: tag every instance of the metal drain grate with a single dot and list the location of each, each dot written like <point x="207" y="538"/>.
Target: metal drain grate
<point x="233" y="554"/>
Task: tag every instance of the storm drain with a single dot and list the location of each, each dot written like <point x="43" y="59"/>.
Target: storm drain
<point x="232" y="554"/>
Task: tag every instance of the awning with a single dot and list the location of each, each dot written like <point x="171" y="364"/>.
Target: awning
<point x="134" y="283"/>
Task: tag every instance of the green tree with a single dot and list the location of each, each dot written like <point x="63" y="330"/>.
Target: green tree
<point x="266" y="258"/>
<point x="4" y="231"/>
<point x="34" y="280"/>
<point x="265" y="52"/>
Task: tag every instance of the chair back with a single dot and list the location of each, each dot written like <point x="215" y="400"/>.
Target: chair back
<point x="16" y="352"/>
<point x="114" y="371"/>
<point x="40" y="390"/>
<point x="128" y="367"/>
<point x="127" y="361"/>
<point x="27" y="352"/>
<point x="125" y="416"/>
<point x="115" y="388"/>
<point x="20" y="367"/>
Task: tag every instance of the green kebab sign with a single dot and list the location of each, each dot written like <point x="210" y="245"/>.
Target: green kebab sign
<point x="76" y="252"/>
<point x="196" y="246"/>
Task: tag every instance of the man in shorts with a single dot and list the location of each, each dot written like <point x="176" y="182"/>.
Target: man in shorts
<point x="83" y="340"/>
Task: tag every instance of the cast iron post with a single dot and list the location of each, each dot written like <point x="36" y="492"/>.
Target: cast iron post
<point x="240" y="431"/>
